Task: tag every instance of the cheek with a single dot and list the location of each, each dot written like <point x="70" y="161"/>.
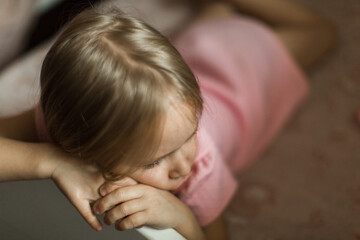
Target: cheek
<point x="192" y="149"/>
<point x="150" y="177"/>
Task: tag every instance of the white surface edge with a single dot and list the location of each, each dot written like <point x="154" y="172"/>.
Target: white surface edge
<point x="155" y="234"/>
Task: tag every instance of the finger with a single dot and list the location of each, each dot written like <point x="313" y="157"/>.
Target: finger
<point x="123" y="210"/>
<point x="108" y="187"/>
<point x="85" y="210"/>
<point x="116" y="197"/>
<point x="135" y="220"/>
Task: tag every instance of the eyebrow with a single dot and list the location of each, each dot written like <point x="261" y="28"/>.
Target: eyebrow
<point x="168" y="154"/>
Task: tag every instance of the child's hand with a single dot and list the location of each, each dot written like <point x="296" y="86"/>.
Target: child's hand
<point x="108" y="187"/>
<point x="79" y="182"/>
<point x="133" y="205"/>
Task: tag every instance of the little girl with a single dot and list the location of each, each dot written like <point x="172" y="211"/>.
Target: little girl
<point x="158" y="131"/>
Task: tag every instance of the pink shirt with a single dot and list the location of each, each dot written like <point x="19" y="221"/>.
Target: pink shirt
<point x="250" y="86"/>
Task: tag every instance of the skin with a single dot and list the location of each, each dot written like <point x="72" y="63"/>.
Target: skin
<point x="143" y="197"/>
<point x="316" y="35"/>
<point x="80" y="183"/>
<point x="173" y="160"/>
<point x="22" y="158"/>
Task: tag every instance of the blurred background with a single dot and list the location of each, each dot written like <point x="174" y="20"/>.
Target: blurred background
<point x="305" y="186"/>
<point x="28" y="23"/>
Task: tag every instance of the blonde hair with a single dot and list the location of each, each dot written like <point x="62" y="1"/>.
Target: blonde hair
<point x="106" y="84"/>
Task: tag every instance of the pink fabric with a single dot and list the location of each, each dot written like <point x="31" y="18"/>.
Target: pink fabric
<point x="250" y="86"/>
<point x="210" y="185"/>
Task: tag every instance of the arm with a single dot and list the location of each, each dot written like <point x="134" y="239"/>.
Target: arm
<point x="217" y="229"/>
<point x="308" y="35"/>
<point x="189" y="226"/>
<point x="21" y="159"/>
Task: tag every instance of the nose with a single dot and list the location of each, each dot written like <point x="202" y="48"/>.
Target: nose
<point x="181" y="167"/>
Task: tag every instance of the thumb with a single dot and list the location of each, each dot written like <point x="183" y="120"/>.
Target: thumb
<point x="85" y="210"/>
<point x="110" y="186"/>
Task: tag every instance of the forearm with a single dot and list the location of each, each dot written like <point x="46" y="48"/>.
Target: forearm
<point x="23" y="160"/>
<point x="189" y="226"/>
<point x="216" y="230"/>
<point x="278" y="12"/>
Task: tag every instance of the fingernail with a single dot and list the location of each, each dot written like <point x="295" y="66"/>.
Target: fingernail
<point x="103" y="192"/>
<point x="99" y="228"/>
<point x="96" y="210"/>
<point x="140" y="226"/>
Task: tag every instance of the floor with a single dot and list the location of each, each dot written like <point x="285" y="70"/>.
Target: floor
<point x="307" y="184"/>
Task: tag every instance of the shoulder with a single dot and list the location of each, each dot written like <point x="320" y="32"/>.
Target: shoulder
<point x="40" y="126"/>
<point x="20" y="127"/>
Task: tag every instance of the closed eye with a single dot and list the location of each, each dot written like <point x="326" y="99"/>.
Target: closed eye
<point x="157" y="162"/>
<point x="154" y="164"/>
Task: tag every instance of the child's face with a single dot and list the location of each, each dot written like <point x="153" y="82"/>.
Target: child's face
<point x="178" y="145"/>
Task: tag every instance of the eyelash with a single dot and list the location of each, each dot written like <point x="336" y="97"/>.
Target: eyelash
<point x="152" y="165"/>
